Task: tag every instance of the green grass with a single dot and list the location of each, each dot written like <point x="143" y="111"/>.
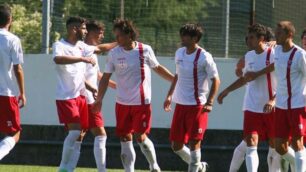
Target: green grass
<point x="29" y="168"/>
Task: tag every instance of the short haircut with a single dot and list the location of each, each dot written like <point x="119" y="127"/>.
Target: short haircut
<point x="303" y="33"/>
<point x="270" y="36"/>
<point x="127" y="27"/>
<point x="192" y="30"/>
<point x="287" y="26"/>
<point x="75" y="21"/>
<point x="94" y="25"/>
<point x="258" y="29"/>
<point x="5" y="14"/>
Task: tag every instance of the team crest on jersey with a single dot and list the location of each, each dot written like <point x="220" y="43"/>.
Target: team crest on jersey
<point x="122" y="64"/>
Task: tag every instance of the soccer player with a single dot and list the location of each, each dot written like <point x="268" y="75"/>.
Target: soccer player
<point x="71" y="55"/>
<point x="290" y="70"/>
<point x="194" y="68"/>
<point x="258" y="125"/>
<point x="131" y="62"/>
<point x="12" y="92"/>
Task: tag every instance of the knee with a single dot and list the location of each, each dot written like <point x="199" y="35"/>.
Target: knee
<point x="297" y="143"/>
<point x="251" y="140"/>
<point x="176" y="146"/>
<point x="281" y="149"/>
<point x="126" y="138"/>
<point x="16" y="136"/>
<point x="140" y="137"/>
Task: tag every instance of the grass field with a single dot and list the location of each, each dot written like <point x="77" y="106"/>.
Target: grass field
<point x="28" y="168"/>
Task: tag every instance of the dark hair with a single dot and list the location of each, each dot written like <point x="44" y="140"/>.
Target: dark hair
<point x="270" y="34"/>
<point x="287" y="26"/>
<point x="192" y="30"/>
<point x="94" y="25"/>
<point x="76" y="21"/>
<point x="258" y="29"/>
<point x="303" y="33"/>
<point x="5" y="14"/>
<point x="127" y="27"/>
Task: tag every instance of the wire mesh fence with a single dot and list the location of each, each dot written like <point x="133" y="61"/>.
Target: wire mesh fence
<point x="158" y="21"/>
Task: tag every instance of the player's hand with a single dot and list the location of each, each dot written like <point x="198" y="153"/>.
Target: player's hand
<point x="97" y="105"/>
<point x="89" y="60"/>
<point x="269" y="107"/>
<point x="207" y="107"/>
<point x="167" y="104"/>
<point x="22" y="101"/>
<point x="221" y="96"/>
<point x="250" y="76"/>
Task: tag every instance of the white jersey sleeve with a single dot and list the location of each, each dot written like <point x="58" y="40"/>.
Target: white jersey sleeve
<point x="88" y="50"/>
<point x="152" y="61"/>
<point x="16" y="52"/>
<point x="109" y="65"/>
<point x="57" y="49"/>
<point x="302" y="63"/>
<point x="210" y="66"/>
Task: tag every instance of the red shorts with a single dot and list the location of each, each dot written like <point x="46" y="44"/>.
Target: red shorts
<point x="73" y="111"/>
<point x="259" y="123"/>
<point x="132" y="119"/>
<point x="9" y="115"/>
<point x="95" y="119"/>
<point x="188" y="123"/>
<point x="290" y="123"/>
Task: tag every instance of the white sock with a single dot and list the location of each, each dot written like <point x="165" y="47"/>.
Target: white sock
<point x="270" y="158"/>
<point x="300" y="161"/>
<point x="147" y="148"/>
<point x="184" y="153"/>
<point x="6" y="145"/>
<point x="276" y="162"/>
<point x="128" y="156"/>
<point x="68" y="148"/>
<point x="100" y="152"/>
<point x="290" y="157"/>
<point x="195" y="161"/>
<point x="238" y="157"/>
<point x="251" y="159"/>
<point x="75" y="156"/>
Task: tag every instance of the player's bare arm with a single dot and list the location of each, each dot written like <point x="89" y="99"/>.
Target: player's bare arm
<point x="62" y="60"/>
<point x="20" y="81"/>
<point x="235" y="85"/>
<point x="250" y="76"/>
<point x="212" y="93"/>
<point x="111" y="83"/>
<point x="91" y="88"/>
<point x="167" y="102"/>
<point x="164" y="73"/>
<point x="105" y="47"/>
<point x="101" y="91"/>
<point x="239" y="67"/>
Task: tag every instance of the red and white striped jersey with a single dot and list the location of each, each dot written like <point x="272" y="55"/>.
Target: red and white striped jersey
<point x="133" y="74"/>
<point x="193" y="71"/>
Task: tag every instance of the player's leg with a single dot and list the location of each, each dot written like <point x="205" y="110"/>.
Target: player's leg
<point x="298" y="122"/>
<point x="124" y="131"/>
<point x="238" y="156"/>
<point x="96" y="126"/>
<point x="70" y="114"/>
<point x="252" y="128"/>
<point x="178" y="134"/>
<point x="282" y="133"/>
<point x="196" y="121"/>
<point x="9" y="124"/>
<point x="100" y="148"/>
<point x="141" y="126"/>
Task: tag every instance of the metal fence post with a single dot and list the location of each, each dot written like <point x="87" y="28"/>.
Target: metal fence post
<point x="45" y="27"/>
